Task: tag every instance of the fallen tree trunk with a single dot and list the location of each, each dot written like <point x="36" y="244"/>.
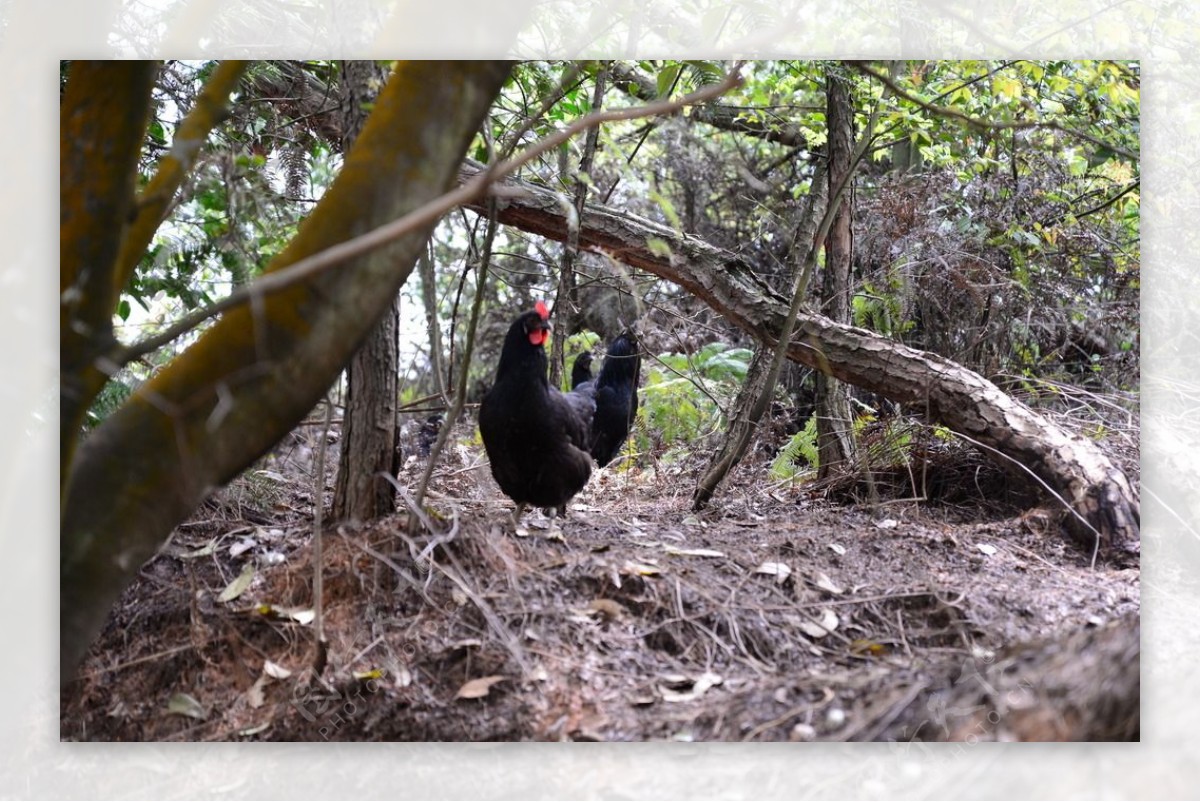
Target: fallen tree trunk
<point x="1103" y="503"/>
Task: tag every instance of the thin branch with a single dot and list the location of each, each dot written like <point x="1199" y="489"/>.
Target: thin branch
<point x="460" y="392"/>
<point x="318" y="544"/>
<point x="465" y="193"/>
<point x="152" y="205"/>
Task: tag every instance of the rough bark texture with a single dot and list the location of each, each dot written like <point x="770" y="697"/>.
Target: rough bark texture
<point x="370" y="435"/>
<point x="252" y="376"/>
<point x="961" y="399"/>
<point x="834" y="443"/>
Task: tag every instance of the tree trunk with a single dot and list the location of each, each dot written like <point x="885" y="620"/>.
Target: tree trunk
<point x="437" y="366"/>
<point x="835" y="444"/>
<point x="567" y="304"/>
<point x="1102" y="499"/>
<point x="742" y="424"/>
<point x="254" y="374"/>
<point x="370" y="435"/>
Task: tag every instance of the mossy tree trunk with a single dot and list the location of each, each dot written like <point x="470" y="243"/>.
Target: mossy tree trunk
<point x="261" y="367"/>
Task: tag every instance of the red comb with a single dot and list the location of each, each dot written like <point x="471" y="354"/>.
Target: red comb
<point x="540" y="306"/>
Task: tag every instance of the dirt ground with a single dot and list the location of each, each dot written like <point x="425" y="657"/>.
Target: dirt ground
<point x="776" y="614"/>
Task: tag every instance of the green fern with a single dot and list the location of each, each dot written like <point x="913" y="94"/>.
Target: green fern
<point x="799" y="455"/>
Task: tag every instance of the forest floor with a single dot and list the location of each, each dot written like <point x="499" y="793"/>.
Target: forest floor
<point x="775" y="614"/>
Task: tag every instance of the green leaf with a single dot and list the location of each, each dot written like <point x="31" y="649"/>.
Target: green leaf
<point x="123" y="309"/>
<point x="666" y="78"/>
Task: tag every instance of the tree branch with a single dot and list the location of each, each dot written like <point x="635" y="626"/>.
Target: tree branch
<point x="464" y="194"/>
<point x="190" y="136"/>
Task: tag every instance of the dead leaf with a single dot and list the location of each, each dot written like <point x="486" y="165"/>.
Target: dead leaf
<point x="203" y="551"/>
<point x="640" y="569"/>
<point x="865" y="646"/>
<point x="275" y="671"/>
<point x="239" y="585"/>
<point x="302" y="617"/>
<point x="826" y="584"/>
<point x="669" y="549"/>
<point x="255" y="696"/>
<point x="814" y="629"/>
<point x="478" y="688"/>
<point x="242" y="546"/>
<point x="374" y="673"/>
<point x="182" y="704"/>
<point x="986" y="548"/>
<point x="698" y="689"/>
<point x="607" y="609"/>
<point x="839" y="550"/>
<point x="780" y="571"/>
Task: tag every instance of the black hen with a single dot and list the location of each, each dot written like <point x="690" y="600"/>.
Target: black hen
<point x="536" y="437"/>
<point x="615" y="394"/>
<point x="581" y="370"/>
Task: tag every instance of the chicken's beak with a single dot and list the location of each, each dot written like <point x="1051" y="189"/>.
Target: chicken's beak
<point x="540" y="332"/>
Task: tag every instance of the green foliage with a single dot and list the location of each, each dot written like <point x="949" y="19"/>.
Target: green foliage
<point x="110" y="398"/>
<point x="881" y="307"/>
<point x="888" y="444"/>
<point x="679" y="401"/>
<point x="799" y="456"/>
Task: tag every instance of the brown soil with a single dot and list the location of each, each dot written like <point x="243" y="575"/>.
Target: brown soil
<point x="774" y="615"/>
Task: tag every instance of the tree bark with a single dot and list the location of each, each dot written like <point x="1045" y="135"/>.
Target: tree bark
<point x="253" y="375"/>
<point x="370" y="435"/>
<point x="567" y="305"/>
<point x="429" y="299"/>
<point x="835" y="445"/>
<point x="1104" y="503"/>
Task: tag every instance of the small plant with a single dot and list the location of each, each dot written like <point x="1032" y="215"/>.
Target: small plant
<point x="682" y="396"/>
<point x="799" y="456"/>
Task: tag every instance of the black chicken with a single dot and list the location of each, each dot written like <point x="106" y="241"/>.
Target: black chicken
<point x="615" y="394"/>
<point x="581" y="369"/>
<point x="539" y="440"/>
<point x="536" y="437"/>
